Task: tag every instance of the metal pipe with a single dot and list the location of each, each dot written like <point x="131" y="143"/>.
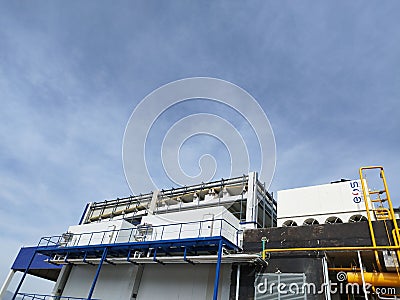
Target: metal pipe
<point x="344" y="269"/>
<point x="237" y="282"/>
<point x="217" y="271"/>
<point x="263" y="239"/>
<point x="326" y="278"/>
<point x="376" y="279"/>
<point x="103" y="257"/>
<point x="362" y="276"/>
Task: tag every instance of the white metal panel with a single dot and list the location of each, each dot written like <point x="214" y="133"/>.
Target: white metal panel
<point x="99" y="233"/>
<point x="177" y="281"/>
<point x="342" y="199"/>
<point x="199" y="224"/>
<point x="115" y="282"/>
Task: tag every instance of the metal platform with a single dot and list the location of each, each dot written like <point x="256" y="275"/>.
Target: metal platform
<point x="89" y="249"/>
<point x="39" y="266"/>
<point x="193" y="246"/>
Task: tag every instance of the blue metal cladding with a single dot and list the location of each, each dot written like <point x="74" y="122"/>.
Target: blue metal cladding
<point x="39" y="261"/>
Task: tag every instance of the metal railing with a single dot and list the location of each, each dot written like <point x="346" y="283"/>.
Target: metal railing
<point x="145" y="233"/>
<point x="24" y="296"/>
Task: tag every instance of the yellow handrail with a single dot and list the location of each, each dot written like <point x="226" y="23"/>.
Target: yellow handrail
<point x="366" y="197"/>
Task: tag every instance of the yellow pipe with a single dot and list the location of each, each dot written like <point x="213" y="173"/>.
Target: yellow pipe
<point x="371" y="228"/>
<point x="344" y="269"/>
<point x="375" y="279"/>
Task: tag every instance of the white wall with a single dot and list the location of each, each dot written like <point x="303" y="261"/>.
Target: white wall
<point x="183" y="281"/>
<point x="171" y="281"/>
<point x="343" y="200"/>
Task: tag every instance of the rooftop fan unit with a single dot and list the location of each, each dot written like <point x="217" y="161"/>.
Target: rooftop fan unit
<point x="144" y="232"/>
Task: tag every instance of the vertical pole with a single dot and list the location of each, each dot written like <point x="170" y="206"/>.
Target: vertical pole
<point x="217" y="271"/>
<point x="6" y="283"/>
<point x="263" y="240"/>
<point x="326" y="278"/>
<point x="23" y="276"/>
<point x="251" y="202"/>
<point x="237" y="282"/>
<point x="103" y="257"/>
<point x="362" y="275"/>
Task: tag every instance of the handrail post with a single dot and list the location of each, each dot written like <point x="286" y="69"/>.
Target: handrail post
<point x="79" y="239"/>
<point x="91" y="236"/>
<point x="116" y="236"/>
<point x="201" y="222"/>
<point x="180" y="230"/>
<point x="162" y="232"/>
<point x="130" y="235"/>
<point x="145" y="235"/>
<point x="102" y="238"/>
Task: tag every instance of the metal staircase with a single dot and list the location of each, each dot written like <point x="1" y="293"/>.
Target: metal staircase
<point x="379" y="207"/>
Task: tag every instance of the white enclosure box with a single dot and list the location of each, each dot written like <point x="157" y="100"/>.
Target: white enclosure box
<point x="205" y="222"/>
<point x="327" y="203"/>
<point x="116" y="231"/>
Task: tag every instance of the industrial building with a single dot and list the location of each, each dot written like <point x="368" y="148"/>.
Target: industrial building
<point x="226" y="239"/>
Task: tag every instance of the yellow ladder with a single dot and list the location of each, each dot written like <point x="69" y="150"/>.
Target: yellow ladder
<point x="381" y="208"/>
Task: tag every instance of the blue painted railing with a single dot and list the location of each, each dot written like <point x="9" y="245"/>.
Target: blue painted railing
<point x="146" y="232"/>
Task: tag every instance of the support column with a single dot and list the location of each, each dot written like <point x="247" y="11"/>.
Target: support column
<point x="237" y="282"/>
<point x="153" y="203"/>
<point x="6" y="283"/>
<point x="138" y="279"/>
<point x="62" y="280"/>
<point x="23" y="276"/>
<point x="103" y="257"/>
<point x="217" y="271"/>
<point x="251" y="202"/>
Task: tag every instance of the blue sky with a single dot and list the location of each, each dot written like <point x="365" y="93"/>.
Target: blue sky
<point x="327" y="74"/>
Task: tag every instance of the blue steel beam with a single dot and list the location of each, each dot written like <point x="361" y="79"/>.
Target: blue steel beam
<point x="103" y="258"/>
<point x="185" y="257"/>
<point x="217" y="271"/>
